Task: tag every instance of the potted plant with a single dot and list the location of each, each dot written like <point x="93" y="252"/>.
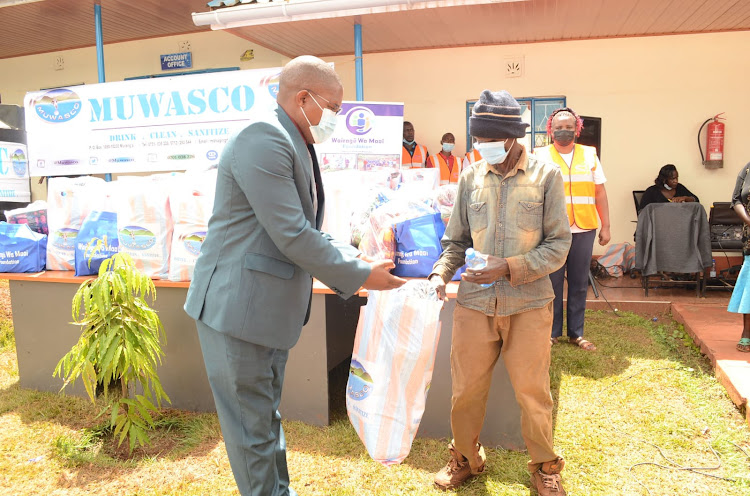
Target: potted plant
<point x="119" y="345"/>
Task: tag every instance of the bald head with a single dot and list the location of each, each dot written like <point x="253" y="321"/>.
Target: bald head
<point x="307" y="73"/>
<point x="307" y="85"/>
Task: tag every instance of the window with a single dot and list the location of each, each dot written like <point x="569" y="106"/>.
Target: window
<point x="536" y="113"/>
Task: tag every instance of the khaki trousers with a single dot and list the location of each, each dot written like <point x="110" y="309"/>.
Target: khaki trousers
<point x="523" y="341"/>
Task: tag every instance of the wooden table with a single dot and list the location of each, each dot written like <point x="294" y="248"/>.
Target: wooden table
<point x="315" y="373"/>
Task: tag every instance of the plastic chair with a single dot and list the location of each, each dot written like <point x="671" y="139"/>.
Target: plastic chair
<point x="637" y="195"/>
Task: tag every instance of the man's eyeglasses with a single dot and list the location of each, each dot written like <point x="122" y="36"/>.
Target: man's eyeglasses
<point x="335" y="110"/>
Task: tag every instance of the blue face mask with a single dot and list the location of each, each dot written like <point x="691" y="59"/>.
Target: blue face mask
<point x="492" y="151"/>
<point x="409" y="142"/>
<point x="448" y="147"/>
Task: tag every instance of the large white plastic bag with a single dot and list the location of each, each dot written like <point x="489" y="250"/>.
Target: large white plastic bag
<point x="144" y="222"/>
<point x="392" y="363"/>
<point x="191" y="203"/>
<point x="69" y="202"/>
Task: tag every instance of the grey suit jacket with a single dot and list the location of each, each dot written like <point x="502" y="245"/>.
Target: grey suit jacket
<point x="253" y="277"/>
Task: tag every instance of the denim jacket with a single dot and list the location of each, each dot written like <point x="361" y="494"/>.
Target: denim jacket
<point x="520" y="217"/>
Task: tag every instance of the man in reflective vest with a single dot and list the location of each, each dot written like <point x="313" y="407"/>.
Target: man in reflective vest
<point x="585" y="197"/>
<point x="471" y="157"/>
<point x="412" y="154"/>
<point x="449" y="164"/>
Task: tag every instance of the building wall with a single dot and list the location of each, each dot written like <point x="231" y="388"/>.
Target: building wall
<point x="652" y="94"/>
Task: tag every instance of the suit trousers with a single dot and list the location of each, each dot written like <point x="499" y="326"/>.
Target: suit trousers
<point x="246" y="381"/>
<point x="523" y="341"/>
<point x="578" y="267"/>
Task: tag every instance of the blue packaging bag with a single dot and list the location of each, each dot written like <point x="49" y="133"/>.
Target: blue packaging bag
<point x="418" y="246"/>
<point x="97" y="225"/>
<point x="21" y="249"/>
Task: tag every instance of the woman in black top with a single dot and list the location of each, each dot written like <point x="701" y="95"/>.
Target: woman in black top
<point x="740" y="301"/>
<point x="667" y="188"/>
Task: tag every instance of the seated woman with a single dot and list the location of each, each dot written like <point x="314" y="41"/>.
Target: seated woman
<point x="666" y="188"/>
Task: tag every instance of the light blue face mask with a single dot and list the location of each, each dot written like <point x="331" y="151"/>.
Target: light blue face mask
<point x="492" y="151"/>
<point x="448" y="147"/>
<point x="409" y="142"/>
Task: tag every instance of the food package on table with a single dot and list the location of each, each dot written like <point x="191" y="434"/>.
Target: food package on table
<point x="191" y="204"/>
<point x="34" y="215"/>
<point x="444" y="199"/>
<point x="69" y="202"/>
<point x="378" y="239"/>
<point x="144" y="221"/>
<point x="21" y="249"/>
<point x="360" y="218"/>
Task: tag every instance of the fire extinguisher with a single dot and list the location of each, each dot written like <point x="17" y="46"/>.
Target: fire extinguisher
<point x="714" y="158"/>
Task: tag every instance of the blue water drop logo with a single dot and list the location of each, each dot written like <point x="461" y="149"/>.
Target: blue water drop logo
<point x="360" y="383"/>
<point x="20" y="162"/>
<point x="136" y="238"/>
<point x="193" y="242"/>
<point x="58" y="105"/>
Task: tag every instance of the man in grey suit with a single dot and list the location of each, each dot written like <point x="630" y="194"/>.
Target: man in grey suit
<point x="252" y="285"/>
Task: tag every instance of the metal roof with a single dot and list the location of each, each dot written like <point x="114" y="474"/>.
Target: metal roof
<point x="54" y="25"/>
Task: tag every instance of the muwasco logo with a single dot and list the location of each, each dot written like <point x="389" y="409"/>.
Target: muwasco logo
<point x="13" y="158"/>
<point x="359" y="120"/>
<point x="360" y="382"/>
<point x="19" y="162"/>
<point x="272" y="83"/>
<point x="65" y="238"/>
<point x="193" y="242"/>
<point x="59" y="105"/>
<point x="136" y="238"/>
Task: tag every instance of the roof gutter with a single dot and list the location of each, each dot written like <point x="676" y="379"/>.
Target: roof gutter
<point x="303" y="10"/>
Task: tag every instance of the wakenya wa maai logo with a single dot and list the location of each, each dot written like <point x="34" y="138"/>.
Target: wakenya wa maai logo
<point x="65" y="238"/>
<point x="136" y="238"/>
<point x="58" y="105"/>
<point x="360" y="385"/>
<point x="193" y="242"/>
<point x="19" y="162"/>
<point x="359" y="120"/>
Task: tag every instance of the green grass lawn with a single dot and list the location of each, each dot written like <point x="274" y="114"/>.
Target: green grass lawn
<point x="630" y="419"/>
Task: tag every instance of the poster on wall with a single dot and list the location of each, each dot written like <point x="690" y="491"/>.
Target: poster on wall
<point x="14" y="172"/>
<point x="364" y="152"/>
<point x="159" y="124"/>
<point x="367" y="137"/>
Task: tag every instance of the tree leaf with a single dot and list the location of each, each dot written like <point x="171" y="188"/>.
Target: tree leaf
<point x="89" y="380"/>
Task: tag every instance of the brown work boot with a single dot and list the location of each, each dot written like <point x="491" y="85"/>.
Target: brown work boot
<point x="547" y="480"/>
<point x="456" y="471"/>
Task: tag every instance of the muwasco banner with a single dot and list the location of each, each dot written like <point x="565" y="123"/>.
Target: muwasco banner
<point x="368" y="136"/>
<point x="14" y="172"/>
<point x="171" y="123"/>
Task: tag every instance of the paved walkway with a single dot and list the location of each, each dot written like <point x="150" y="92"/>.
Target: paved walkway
<point x="717" y="332"/>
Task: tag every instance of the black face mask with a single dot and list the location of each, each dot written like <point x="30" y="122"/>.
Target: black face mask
<point x="563" y="137"/>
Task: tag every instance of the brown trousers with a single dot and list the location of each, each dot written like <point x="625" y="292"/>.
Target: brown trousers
<point x="523" y="341"/>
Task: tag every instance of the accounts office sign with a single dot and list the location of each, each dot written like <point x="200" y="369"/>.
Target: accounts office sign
<point x="173" y="61"/>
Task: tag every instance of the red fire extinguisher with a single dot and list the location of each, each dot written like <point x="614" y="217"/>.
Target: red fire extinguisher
<point x="714" y="158"/>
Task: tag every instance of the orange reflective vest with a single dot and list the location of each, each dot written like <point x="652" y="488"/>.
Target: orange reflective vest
<point x="470" y="158"/>
<point x="447" y="175"/>
<point x="580" y="190"/>
<point x="416" y="160"/>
